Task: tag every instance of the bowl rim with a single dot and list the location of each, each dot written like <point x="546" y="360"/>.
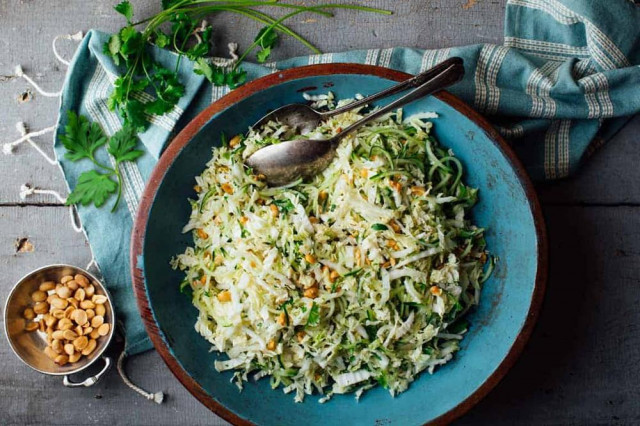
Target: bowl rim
<point x="98" y="353"/>
<point x="191" y="129"/>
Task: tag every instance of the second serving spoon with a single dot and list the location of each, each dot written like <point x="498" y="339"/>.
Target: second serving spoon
<point x="285" y="162"/>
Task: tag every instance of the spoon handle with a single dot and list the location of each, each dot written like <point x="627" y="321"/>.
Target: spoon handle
<point x="451" y="75"/>
<point x="400" y="87"/>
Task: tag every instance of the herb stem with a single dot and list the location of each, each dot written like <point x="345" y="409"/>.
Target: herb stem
<point x="119" y="178"/>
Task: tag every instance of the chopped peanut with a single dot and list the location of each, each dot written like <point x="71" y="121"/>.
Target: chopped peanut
<point x="358" y="257"/>
<point x="253" y="264"/>
<point x="435" y="290"/>
<point x="311" y="292"/>
<point x="227" y="188"/>
<point x="203" y="279"/>
<point x="393" y="261"/>
<point x="417" y="190"/>
<point x="394" y="225"/>
<point x="364" y="173"/>
<point x="339" y="130"/>
<point x="197" y="188"/>
<point x="224" y="296"/>
<point x="282" y="319"/>
<point x="386" y="264"/>
<point x="483" y="258"/>
<point x="261" y="177"/>
<point x="218" y="259"/>
<point x="395" y="185"/>
<point x="300" y="335"/>
<point x="313" y="219"/>
<point x="393" y="244"/>
<point x="235" y="141"/>
<point x="309" y="258"/>
<point x="202" y="234"/>
<point x="274" y="210"/>
<point x="333" y="276"/>
<point x="325" y="268"/>
<point x="322" y="196"/>
<point x="271" y="345"/>
<point x="244" y="220"/>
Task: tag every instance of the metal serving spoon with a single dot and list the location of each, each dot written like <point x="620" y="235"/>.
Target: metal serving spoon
<point x="303" y="119"/>
<point x="285" y="162"/>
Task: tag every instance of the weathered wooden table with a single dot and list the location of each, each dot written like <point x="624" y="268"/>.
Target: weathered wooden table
<point x="582" y="364"/>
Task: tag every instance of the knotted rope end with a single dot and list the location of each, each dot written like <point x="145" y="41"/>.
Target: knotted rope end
<point x="158" y="397"/>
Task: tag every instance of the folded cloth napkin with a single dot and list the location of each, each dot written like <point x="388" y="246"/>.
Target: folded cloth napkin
<point x="565" y="80"/>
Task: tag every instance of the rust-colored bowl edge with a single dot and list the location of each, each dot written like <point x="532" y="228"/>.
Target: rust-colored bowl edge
<point x="183" y="138"/>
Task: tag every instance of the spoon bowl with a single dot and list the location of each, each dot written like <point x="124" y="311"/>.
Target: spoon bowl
<point x="285" y="162"/>
<point x="300" y="118"/>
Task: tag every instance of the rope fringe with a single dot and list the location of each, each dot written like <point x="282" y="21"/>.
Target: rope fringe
<point x="28" y="190"/>
<point x="227" y="62"/>
<point x="7" y="148"/>
<point x="157" y="397"/>
<point x="22" y="129"/>
<point x="74" y="37"/>
<point x="20" y="73"/>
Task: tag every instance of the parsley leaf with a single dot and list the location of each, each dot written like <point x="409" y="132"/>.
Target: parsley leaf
<point x="202" y="67"/>
<point x="235" y="78"/>
<point x="267" y="37"/>
<point x="112" y="48"/>
<point x="314" y="315"/>
<point x="81" y="138"/>
<point x="122" y="144"/>
<point x="379" y="227"/>
<point x="285" y="205"/>
<point x="92" y="187"/>
<point x="263" y="55"/>
<point x="162" y="40"/>
<point x="125" y="8"/>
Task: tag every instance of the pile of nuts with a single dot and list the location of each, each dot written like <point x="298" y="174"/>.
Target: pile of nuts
<point x="71" y="314"/>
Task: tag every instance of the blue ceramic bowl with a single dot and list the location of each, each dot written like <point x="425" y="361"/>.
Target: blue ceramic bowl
<point x="500" y="325"/>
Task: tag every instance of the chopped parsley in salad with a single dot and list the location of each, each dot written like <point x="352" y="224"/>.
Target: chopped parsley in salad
<point x="357" y="278"/>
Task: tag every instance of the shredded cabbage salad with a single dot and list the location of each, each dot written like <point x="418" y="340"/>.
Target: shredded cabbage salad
<point x="357" y="278"/>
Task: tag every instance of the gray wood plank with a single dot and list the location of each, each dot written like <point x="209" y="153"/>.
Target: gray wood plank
<point x="582" y="363"/>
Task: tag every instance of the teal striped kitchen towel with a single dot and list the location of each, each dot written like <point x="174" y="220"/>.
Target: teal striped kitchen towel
<point x="566" y="78"/>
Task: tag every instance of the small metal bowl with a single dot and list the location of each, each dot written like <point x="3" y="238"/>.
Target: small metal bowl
<point x="29" y="345"/>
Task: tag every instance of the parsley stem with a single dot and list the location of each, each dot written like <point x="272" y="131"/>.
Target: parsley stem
<point x="119" y="177"/>
<point x="263" y="18"/>
<point x="257" y="41"/>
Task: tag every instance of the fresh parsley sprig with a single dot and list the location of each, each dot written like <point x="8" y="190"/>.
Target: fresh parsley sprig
<point x="82" y="139"/>
<point x="191" y="38"/>
<point x="142" y="76"/>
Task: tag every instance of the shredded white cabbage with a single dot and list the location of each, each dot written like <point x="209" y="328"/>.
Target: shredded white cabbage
<point x="356" y="278"/>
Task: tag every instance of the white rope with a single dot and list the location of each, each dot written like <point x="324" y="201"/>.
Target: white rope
<point x="20" y="73"/>
<point x="91" y="263"/>
<point x="27" y="190"/>
<point x="75" y="37"/>
<point x="157" y="397"/>
<point x="7" y="148"/>
<point x="22" y="129"/>
<point x="227" y="62"/>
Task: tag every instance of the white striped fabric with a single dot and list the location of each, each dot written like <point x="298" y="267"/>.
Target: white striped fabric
<point x="487" y="95"/>
<point x="602" y="49"/>
<point x="539" y="87"/>
<point x="547" y="47"/>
